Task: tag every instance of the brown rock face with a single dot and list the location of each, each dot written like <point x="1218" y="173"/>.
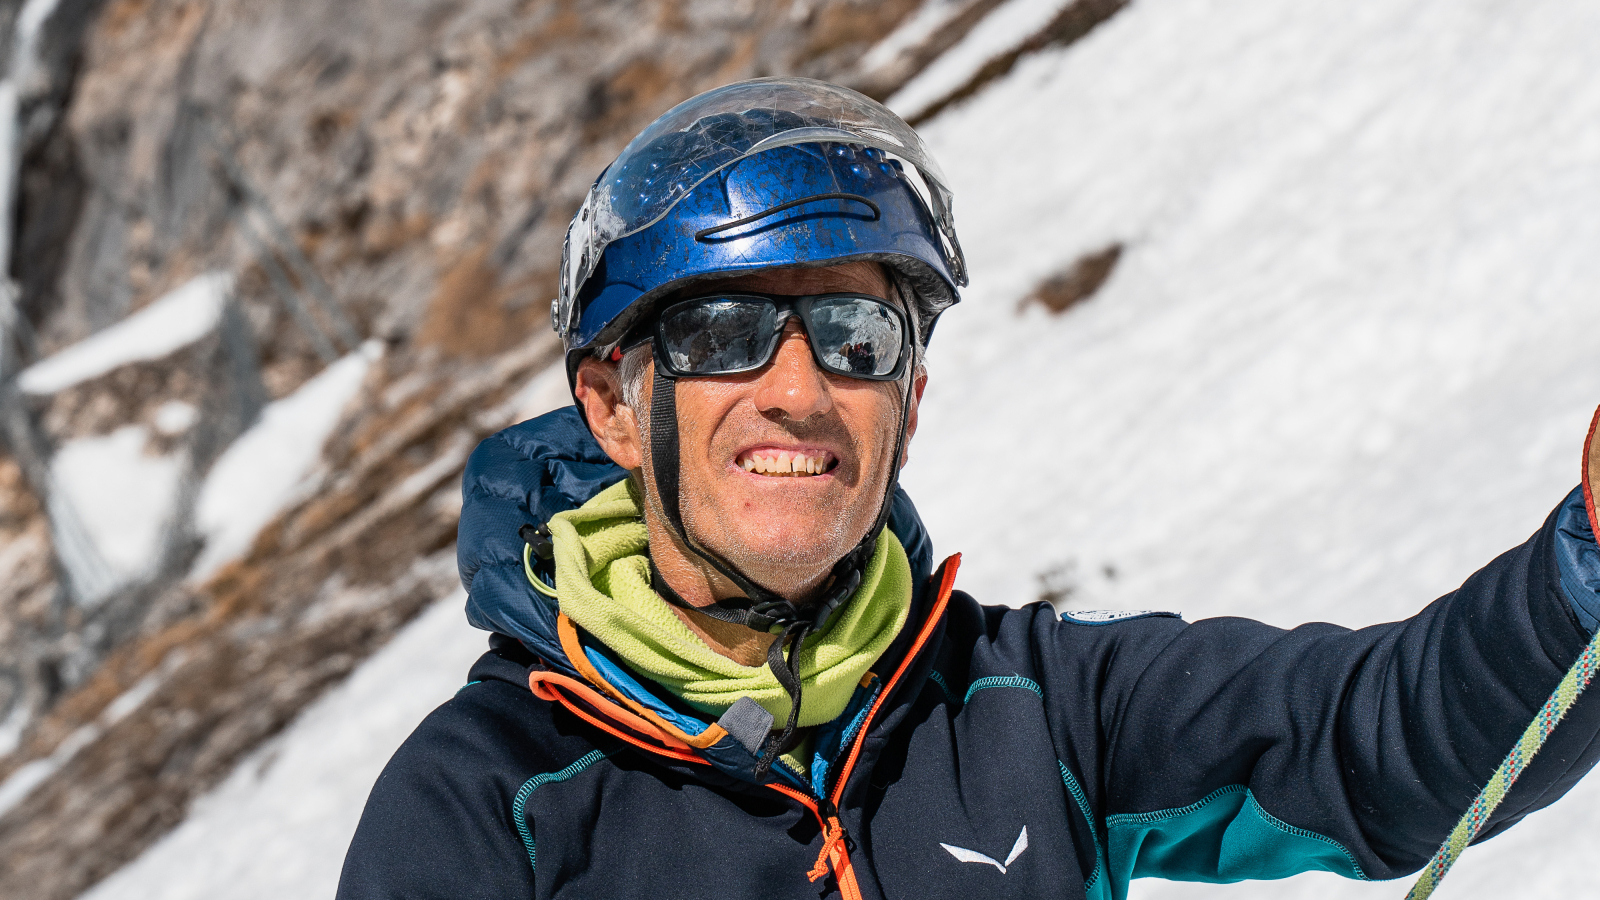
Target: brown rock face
<point x="368" y="169"/>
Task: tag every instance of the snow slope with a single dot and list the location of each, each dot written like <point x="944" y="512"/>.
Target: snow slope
<point x="1347" y="357"/>
<point x="278" y="827"/>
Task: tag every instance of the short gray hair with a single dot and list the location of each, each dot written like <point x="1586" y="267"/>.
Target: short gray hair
<point x="631" y="372"/>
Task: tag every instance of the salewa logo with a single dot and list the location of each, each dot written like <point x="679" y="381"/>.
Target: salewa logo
<point x="974" y="856"/>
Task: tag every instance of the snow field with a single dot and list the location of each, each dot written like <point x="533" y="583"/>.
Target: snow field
<point x="1349" y="353"/>
<point x="278" y="827"/>
<point x="1339" y="365"/>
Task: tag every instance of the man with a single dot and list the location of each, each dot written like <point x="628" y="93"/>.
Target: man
<point x="724" y="663"/>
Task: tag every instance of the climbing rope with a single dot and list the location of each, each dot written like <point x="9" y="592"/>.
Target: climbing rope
<point x="1577" y="678"/>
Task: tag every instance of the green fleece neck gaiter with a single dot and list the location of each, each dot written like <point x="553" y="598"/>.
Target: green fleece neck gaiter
<point x="603" y="581"/>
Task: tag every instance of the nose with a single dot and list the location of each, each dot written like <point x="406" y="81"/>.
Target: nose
<point x="792" y="384"/>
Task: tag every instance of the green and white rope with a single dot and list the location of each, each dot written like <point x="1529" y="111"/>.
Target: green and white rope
<point x="1576" y="679"/>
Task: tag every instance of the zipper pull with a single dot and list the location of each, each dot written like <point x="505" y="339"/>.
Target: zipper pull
<point x="832" y="842"/>
<point x="833" y="838"/>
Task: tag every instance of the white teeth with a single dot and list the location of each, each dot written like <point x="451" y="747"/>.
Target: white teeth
<point x="784" y="462"/>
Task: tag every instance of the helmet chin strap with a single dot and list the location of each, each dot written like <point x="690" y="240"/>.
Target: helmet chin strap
<point x="759" y="608"/>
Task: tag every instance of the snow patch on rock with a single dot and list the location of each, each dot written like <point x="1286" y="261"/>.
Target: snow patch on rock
<point x="174" y="321"/>
<point x="917" y="27"/>
<point x="273" y="464"/>
<point x="121" y="493"/>
<point x="1008" y="26"/>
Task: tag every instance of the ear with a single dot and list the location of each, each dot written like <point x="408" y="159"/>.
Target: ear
<point x="917" y="386"/>
<point x="598" y="390"/>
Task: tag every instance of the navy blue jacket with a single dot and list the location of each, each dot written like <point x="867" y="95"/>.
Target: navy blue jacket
<point x="993" y="751"/>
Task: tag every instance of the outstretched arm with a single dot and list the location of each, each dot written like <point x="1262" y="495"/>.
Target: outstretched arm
<point x="1237" y="750"/>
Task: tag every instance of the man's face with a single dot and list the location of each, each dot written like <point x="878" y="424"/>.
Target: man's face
<point x="783" y="468"/>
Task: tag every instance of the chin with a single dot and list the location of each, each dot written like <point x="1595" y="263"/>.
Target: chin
<point x="779" y="550"/>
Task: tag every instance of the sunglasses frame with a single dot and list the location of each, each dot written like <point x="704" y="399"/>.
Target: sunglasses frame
<point x="787" y="305"/>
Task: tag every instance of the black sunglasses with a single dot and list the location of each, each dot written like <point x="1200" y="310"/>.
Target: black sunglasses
<point x="855" y="335"/>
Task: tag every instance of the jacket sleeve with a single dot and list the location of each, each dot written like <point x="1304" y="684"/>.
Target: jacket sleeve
<point x="1228" y="749"/>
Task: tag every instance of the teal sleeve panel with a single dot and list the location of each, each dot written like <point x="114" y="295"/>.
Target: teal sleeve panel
<point x="1223" y="838"/>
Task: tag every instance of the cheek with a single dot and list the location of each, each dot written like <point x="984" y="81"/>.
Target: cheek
<point x="870" y="411"/>
<point x="705" y="412"/>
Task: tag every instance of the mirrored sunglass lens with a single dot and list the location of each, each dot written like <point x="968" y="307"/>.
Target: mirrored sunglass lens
<point x="856" y="336"/>
<point x="718" y="336"/>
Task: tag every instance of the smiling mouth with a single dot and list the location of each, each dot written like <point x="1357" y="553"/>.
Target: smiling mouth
<point x="787" y="463"/>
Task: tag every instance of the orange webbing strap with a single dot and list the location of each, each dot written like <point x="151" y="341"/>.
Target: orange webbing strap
<point x="580" y="661"/>
<point x="553" y="686"/>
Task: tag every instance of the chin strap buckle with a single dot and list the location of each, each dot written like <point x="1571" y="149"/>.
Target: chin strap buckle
<point x="538" y="538"/>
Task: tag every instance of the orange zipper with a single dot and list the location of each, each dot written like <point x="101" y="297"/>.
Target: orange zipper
<point x="941" y="600"/>
<point x="835" y="852"/>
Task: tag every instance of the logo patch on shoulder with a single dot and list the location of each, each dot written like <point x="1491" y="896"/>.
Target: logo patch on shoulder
<point x="1107" y="616"/>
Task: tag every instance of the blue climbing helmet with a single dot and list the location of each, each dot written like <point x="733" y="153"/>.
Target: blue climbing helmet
<point x="756" y="174"/>
<point x="773" y="172"/>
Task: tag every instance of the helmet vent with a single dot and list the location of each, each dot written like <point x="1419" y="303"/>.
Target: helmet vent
<point x="705" y="234"/>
